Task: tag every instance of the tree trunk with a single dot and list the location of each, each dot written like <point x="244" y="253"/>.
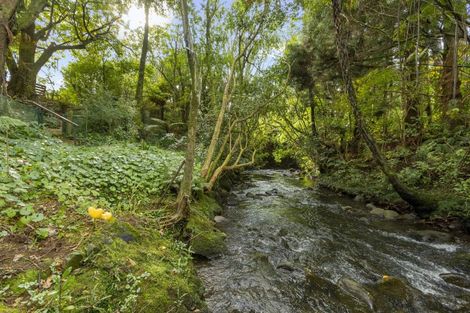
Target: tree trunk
<point x="311" y="101"/>
<point x="412" y="123"/>
<point x="143" y="59"/>
<point x="220" y="119"/>
<point x="421" y="205"/>
<point x="451" y="95"/>
<point x="6" y="12"/>
<point x="23" y="78"/>
<point x="184" y="194"/>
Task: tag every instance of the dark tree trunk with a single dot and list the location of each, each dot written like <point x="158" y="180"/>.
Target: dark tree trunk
<point x="143" y="59"/>
<point x="412" y="122"/>
<point x="23" y="77"/>
<point x="355" y="143"/>
<point x="451" y="95"/>
<point x="421" y="205"/>
<point x="411" y="119"/>
<point x="6" y="12"/>
<point x="312" y="103"/>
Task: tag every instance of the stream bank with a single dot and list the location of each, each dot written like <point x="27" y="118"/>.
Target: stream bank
<point x="372" y="189"/>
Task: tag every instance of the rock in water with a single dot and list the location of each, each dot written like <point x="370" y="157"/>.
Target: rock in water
<point x="286" y="265"/>
<point x="387" y="214"/>
<point x="394" y="295"/>
<point x="371" y="206"/>
<point x="377" y="211"/>
<point x="359" y="198"/>
<point x="407" y="216"/>
<point x="220" y="219"/>
<point x="431" y="235"/>
<point x="356" y="290"/>
<point x="456" y="279"/>
<point x="282" y="232"/>
<point x="390" y="214"/>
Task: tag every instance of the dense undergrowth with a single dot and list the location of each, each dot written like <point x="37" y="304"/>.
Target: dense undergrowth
<point x="55" y="258"/>
<point x="439" y="168"/>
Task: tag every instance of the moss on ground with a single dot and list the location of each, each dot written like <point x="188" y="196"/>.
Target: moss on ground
<point x="122" y="266"/>
<point x="205" y="239"/>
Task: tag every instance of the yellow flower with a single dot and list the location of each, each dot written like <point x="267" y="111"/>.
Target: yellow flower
<point x="94" y="212"/>
<point x="163" y="248"/>
<point x="386" y="278"/>
<point x="107" y="216"/>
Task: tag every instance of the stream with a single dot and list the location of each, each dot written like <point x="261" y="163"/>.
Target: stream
<point x="296" y="249"/>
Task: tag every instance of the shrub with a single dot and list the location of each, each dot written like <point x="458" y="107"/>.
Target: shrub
<point x="106" y="114"/>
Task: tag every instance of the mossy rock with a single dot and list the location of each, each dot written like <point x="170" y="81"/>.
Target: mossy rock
<point x="205" y="239"/>
<point x="393" y="295"/>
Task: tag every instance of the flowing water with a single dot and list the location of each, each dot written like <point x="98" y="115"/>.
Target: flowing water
<point x="293" y="249"/>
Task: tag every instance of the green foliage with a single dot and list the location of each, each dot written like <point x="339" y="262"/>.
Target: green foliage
<point x="107" y="114"/>
<point x="119" y="176"/>
<point x="14" y="128"/>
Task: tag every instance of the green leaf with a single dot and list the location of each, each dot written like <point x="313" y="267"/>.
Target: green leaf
<point x="27" y="210"/>
<point x="10" y="212"/>
<point x="37" y="217"/>
<point x="25" y="220"/>
<point x="42" y="233"/>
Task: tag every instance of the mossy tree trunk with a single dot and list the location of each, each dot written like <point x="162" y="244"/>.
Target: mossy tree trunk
<point x="421" y="204"/>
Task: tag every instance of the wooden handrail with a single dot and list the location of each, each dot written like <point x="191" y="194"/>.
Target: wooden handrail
<point x="50" y="111"/>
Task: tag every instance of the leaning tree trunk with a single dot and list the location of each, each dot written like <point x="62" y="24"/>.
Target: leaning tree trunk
<point x="143" y="59"/>
<point x="220" y="119"/>
<point x="421" y="205"/>
<point x="184" y="194"/>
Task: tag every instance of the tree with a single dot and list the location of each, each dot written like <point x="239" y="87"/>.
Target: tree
<point x="44" y="28"/>
<point x="7" y="10"/>
<point x="250" y="22"/>
<point x="184" y="194"/>
<point x="453" y="29"/>
<point x="422" y="205"/>
<point x="143" y="60"/>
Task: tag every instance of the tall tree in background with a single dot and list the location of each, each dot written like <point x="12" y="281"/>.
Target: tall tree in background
<point x="7" y="10"/>
<point x="143" y="60"/>
<point x="454" y="28"/>
<point x="52" y="26"/>
<point x="421" y="205"/>
<point x="184" y="194"/>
